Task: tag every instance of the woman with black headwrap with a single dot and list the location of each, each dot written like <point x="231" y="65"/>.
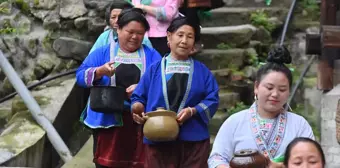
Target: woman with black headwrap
<point x="117" y="139"/>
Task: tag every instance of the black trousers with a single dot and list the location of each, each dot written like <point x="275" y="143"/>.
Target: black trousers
<point x="160" y="44"/>
<point x="192" y="15"/>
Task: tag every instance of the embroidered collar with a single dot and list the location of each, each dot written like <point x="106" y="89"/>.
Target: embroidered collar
<point x="164" y="84"/>
<point x="270" y="145"/>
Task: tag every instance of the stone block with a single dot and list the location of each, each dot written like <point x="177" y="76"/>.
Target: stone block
<point x="334" y="150"/>
<point x="234" y="35"/>
<point x="220" y="59"/>
<point x="228" y="99"/>
<point x="229" y="16"/>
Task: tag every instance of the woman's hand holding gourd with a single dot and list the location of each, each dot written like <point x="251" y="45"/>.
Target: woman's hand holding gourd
<point x="138" y="113"/>
<point x="106" y="69"/>
<point x="185" y="114"/>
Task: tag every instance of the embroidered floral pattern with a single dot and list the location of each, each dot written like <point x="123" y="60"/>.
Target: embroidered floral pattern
<point x="274" y="143"/>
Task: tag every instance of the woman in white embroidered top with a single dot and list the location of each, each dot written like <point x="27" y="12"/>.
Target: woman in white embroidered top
<point x="265" y="126"/>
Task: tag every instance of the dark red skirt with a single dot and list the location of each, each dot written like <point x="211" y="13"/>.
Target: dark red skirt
<point x="120" y="147"/>
<point x="182" y="154"/>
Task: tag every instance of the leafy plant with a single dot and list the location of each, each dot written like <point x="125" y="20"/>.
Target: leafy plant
<point x="7" y="28"/>
<point x="239" y="106"/>
<point x="23" y="6"/>
<point x="310" y="9"/>
<point x="252" y="57"/>
<point x="4" y="10"/>
<point x="260" y="18"/>
<point x="224" y="46"/>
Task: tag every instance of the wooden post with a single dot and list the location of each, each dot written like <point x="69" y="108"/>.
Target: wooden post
<point x="325" y="69"/>
<point x="330" y="36"/>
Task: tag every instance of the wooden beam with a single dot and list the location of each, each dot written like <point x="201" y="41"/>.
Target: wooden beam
<point x="330" y="37"/>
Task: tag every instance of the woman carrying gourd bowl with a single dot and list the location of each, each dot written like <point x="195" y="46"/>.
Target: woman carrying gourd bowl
<point x="183" y="85"/>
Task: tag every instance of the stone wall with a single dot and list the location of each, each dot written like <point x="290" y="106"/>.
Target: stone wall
<point x="44" y="37"/>
<point x="329" y="142"/>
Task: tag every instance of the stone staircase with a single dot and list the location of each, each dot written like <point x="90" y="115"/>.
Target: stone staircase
<point x="230" y="65"/>
<point x="230" y="42"/>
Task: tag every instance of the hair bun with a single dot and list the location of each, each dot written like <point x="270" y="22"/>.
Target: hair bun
<point x="279" y="55"/>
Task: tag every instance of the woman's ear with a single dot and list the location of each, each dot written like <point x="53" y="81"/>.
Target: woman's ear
<point x="168" y="37"/>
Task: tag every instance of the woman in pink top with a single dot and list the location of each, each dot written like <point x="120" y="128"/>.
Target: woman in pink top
<point x="160" y="13"/>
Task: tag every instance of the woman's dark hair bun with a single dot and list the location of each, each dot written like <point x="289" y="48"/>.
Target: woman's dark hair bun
<point x="279" y="55"/>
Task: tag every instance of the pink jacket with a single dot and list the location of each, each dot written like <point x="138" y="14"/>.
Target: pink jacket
<point x="166" y="11"/>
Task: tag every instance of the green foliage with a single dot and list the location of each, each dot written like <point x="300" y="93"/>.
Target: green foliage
<point x="7" y="28"/>
<point x="310" y="5"/>
<point x="47" y="41"/>
<point x="36" y="2"/>
<point x="237" y="108"/>
<point x="23" y="6"/>
<point x="252" y="57"/>
<point x="1" y="1"/>
<point x="309" y="9"/>
<point x="4" y="10"/>
<point x="260" y="18"/>
<point x="224" y="46"/>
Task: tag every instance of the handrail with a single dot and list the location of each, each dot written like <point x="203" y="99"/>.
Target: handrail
<point x="32" y="86"/>
<point x="311" y="60"/>
<point x="35" y="110"/>
<point x="288" y="19"/>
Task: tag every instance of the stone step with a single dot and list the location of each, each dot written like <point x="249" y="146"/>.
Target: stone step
<point x="237" y="36"/>
<point x="216" y="122"/>
<point x="218" y="59"/>
<point x="257" y="3"/>
<point x="228" y="99"/>
<point x="222" y="76"/>
<point x="229" y="16"/>
<point x="83" y="159"/>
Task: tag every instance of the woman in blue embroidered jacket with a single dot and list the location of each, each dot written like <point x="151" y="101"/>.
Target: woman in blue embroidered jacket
<point x="186" y="86"/>
<point x="117" y="139"/>
<point x="111" y="17"/>
<point x="266" y="125"/>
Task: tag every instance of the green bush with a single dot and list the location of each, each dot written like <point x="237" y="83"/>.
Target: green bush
<point x="260" y="18"/>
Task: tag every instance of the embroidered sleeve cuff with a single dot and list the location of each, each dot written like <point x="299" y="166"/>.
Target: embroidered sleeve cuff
<point x="161" y="13"/>
<point x="217" y="160"/>
<point x="89" y="76"/>
<point x="204" y="111"/>
<point x="214" y="165"/>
